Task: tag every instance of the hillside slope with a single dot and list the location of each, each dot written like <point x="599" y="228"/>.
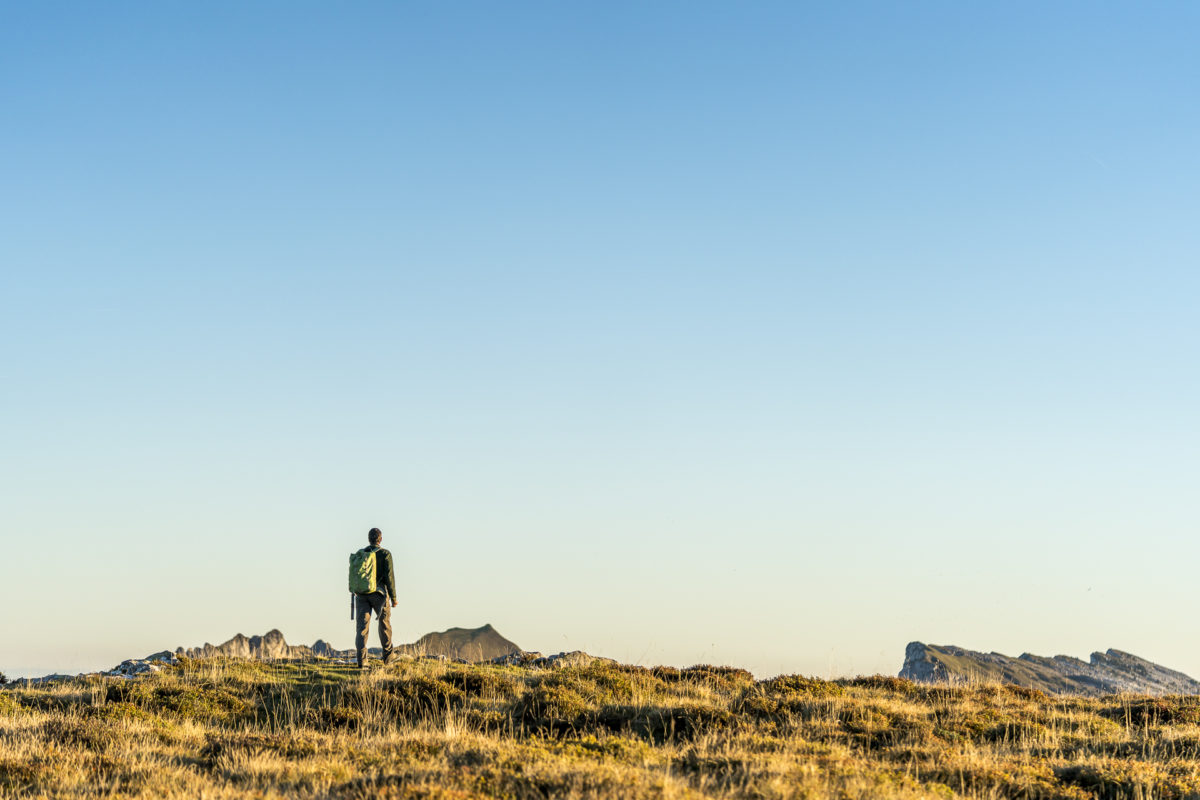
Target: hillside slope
<point x="434" y="730"/>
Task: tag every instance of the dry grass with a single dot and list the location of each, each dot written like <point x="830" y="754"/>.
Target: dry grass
<point x="426" y="729"/>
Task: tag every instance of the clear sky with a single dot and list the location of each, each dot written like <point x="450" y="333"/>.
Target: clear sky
<point x="771" y="334"/>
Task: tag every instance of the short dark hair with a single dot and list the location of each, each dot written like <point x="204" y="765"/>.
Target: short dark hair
<point x="374" y="535"/>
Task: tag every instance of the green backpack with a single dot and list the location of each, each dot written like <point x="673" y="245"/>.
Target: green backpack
<point x="362" y="571"/>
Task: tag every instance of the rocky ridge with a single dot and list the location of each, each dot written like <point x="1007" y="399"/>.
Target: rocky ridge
<point x="456" y="644"/>
<point x="1109" y="672"/>
<point x="270" y="646"/>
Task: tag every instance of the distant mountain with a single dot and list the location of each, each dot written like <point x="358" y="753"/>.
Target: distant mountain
<point x="1110" y="672"/>
<point x="472" y="644"/>
<point x="469" y="644"/>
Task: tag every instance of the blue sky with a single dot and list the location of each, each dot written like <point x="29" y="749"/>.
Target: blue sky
<point x="773" y="334"/>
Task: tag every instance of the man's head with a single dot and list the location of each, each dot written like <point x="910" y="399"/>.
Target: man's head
<point x="374" y="536"/>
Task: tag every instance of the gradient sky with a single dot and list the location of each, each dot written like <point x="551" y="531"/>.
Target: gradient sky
<point x="770" y="334"/>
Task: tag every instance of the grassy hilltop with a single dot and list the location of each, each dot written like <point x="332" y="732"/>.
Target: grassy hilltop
<point x="428" y="729"/>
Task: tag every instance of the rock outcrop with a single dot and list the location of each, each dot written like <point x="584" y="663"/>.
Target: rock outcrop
<point x="1109" y="672"/>
<point x="18" y="683"/>
<point x="134" y="667"/>
<point x="575" y="658"/>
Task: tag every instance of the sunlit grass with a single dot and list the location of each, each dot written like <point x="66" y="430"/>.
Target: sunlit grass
<point x="430" y="729"/>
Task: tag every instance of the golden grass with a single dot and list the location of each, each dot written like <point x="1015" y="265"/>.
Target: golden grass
<point x="426" y="729"/>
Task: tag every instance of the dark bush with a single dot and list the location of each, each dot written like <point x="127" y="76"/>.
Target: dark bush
<point x="480" y="683"/>
<point x="93" y="735"/>
<point x="659" y="725"/>
<point x="787" y="695"/>
<point x="203" y="701"/>
<point x="331" y="718"/>
<point x="886" y="682"/>
<point x="423" y="696"/>
<point x="1026" y="692"/>
<point x="288" y="746"/>
<point x="729" y="772"/>
<point x="720" y="678"/>
<point x="554" y="708"/>
<point x="1157" y="711"/>
<point x="21" y="775"/>
<point x="1103" y="785"/>
<point x="790" y="685"/>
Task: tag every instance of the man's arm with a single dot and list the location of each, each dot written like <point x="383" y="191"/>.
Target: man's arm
<point x="391" y="576"/>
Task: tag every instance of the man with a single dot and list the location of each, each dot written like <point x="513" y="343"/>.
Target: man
<point x="376" y="601"/>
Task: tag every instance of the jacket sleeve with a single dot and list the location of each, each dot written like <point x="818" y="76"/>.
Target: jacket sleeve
<point x="390" y="569"/>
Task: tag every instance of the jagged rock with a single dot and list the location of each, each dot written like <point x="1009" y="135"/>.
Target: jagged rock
<point x="921" y="665"/>
<point x="132" y="668"/>
<point x="1110" y="672"/>
<point x="518" y="659"/>
<point x="270" y="646"/>
<point x="19" y="682"/>
<point x="469" y="644"/>
<point x="576" y="658"/>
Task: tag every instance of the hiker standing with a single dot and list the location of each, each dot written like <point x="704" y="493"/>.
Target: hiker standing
<point x="373" y="584"/>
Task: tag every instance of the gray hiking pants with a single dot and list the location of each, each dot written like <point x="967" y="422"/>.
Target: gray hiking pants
<point x="364" y="604"/>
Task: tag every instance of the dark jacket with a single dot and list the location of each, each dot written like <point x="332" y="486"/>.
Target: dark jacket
<point x="385" y="573"/>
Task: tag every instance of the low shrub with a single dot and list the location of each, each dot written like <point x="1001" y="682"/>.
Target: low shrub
<point x="481" y="683"/>
<point x="287" y="745"/>
<point x="660" y="725"/>
<point x="554" y="708"/>
<point x="417" y="697"/>
<point x="199" y="701"/>
<point x="334" y="718"/>
<point x="1156" y="711"/>
<point x="887" y="683"/>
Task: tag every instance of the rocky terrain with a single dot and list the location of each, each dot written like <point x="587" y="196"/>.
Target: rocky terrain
<point x="1109" y="672"/>
<point x="483" y="645"/>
